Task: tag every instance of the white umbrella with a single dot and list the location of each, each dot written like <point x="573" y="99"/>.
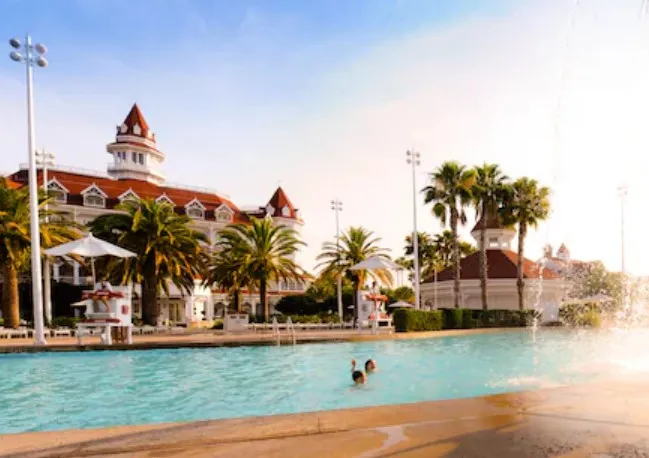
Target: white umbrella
<point x="89" y="247"/>
<point x="401" y="304"/>
<point x="376" y="263"/>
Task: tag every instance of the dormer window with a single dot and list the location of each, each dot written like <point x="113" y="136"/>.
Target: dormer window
<point x="57" y="191"/>
<point x="94" y="197"/>
<point x="129" y="195"/>
<point x="164" y="199"/>
<point x="270" y="210"/>
<point x="123" y="128"/>
<point x="286" y="212"/>
<point x="195" y="210"/>
<point x="223" y="214"/>
<point x="136" y="129"/>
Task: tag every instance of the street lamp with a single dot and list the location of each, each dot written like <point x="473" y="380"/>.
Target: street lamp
<point x="622" y="193"/>
<point x="412" y="158"/>
<point x="31" y="55"/>
<point x="337" y="207"/>
<point x="45" y="160"/>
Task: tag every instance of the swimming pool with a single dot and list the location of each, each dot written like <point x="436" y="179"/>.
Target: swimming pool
<point x="50" y="391"/>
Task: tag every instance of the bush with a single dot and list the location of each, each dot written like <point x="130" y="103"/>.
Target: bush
<point x="580" y="315"/>
<point x="409" y="320"/>
<point x="64" y="322"/>
<point x="218" y="324"/>
<point x="470" y="319"/>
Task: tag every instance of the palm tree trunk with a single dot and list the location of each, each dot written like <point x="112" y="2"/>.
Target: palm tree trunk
<point x="263" y="297"/>
<point x="10" y="296"/>
<point x="520" y="283"/>
<point x="483" y="256"/>
<point x="236" y="295"/>
<point x="150" y="309"/>
<point x="456" y="258"/>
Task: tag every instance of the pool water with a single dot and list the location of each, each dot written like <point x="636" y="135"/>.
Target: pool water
<point x="51" y="391"/>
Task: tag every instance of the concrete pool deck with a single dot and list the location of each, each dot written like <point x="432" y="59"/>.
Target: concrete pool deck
<point x="220" y="339"/>
<point x="599" y="420"/>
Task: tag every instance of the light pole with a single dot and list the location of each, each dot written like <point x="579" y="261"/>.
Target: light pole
<point x="45" y="160"/>
<point x="622" y="192"/>
<point x="413" y="159"/>
<point x="31" y="55"/>
<point x="337" y="207"/>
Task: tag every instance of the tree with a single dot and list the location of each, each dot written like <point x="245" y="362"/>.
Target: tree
<point x="266" y="251"/>
<point x="167" y="248"/>
<point x="525" y="204"/>
<point x="443" y="247"/>
<point x="15" y="240"/>
<point x="450" y="191"/>
<point x="354" y="246"/>
<point x="229" y="271"/>
<point x="488" y="193"/>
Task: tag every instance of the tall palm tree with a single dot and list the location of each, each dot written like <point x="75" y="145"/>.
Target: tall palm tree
<point x="426" y="251"/>
<point x="450" y="192"/>
<point x="526" y="204"/>
<point x="488" y="194"/>
<point x="266" y="251"/>
<point x="167" y="248"/>
<point x="15" y="240"/>
<point x="228" y="271"/>
<point x="443" y="246"/>
<point x="354" y="246"/>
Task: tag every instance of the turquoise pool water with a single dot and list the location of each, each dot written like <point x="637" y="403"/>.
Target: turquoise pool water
<point x="51" y="391"/>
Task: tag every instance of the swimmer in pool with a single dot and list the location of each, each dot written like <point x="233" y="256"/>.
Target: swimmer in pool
<point x="370" y="366"/>
<point x="359" y="377"/>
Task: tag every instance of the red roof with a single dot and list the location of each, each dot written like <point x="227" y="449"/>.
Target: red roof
<point x="501" y="264"/>
<point x="493" y="222"/>
<point x="278" y="202"/>
<point x="11" y="184"/>
<point x="133" y="118"/>
<point x="76" y="182"/>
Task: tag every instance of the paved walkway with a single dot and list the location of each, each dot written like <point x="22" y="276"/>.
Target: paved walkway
<point x="216" y="338"/>
<point x="599" y="420"/>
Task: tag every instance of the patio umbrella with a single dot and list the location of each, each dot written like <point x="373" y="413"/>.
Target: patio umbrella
<point x="89" y="247"/>
<point x="401" y="304"/>
<point x="376" y="263"/>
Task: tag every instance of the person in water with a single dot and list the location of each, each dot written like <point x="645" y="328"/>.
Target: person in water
<point x="359" y="377"/>
<point x="370" y="366"/>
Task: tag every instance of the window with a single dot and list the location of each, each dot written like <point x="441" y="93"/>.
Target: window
<point x="94" y="199"/>
<point x="164" y="199"/>
<point x="134" y="157"/>
<point x="224" y="216"/>
<point x="493" y="242"/>
<point x="286" y="211"/>
<point x="141" y="158"/>
<point x="195" y="212"/>
<point x="128" y="195"/>
<point x="136" y="129"/>
<point x="57" y="192"/>
<point x="270" y="209"/>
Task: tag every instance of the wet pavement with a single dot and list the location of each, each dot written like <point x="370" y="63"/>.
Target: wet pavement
<point x="599" y="420"/>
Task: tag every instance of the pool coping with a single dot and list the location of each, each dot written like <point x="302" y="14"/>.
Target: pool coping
<point x="214" y="340"/>
<point x="575" y="419"/>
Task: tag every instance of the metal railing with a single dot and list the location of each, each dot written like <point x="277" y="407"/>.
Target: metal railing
<point x="276" y="334"/>
<point x="290" y="328"/>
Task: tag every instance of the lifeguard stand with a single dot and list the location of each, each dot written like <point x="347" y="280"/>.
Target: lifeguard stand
<point x="116" y="321"/>
<point x="371" y="309"/>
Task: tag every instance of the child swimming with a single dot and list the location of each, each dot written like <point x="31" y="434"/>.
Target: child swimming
<point x="359" y="377"/>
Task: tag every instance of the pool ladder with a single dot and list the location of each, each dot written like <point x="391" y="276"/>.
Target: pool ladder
<point x="290" y="328"/>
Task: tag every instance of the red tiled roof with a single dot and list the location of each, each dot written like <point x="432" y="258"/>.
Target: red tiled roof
<point x="493" y="222"/>
<point x="135" y="117"/>
<point x="501" y="264"/>
<point x="279" y="201"/>
<point x="75" y="183"/>
<point x="11" y="184"/>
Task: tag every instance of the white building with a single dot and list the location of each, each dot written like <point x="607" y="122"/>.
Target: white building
<point x="544" y="287"/>
<point x="136" y="172"/>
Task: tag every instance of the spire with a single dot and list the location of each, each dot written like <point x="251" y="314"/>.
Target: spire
<point x="498" y="236"/>
<point x="136" y="125"/>
<point x="280" y="206"/>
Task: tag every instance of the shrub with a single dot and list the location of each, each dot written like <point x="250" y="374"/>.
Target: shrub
<point x="218" y="324"/>
<point x="409" y="320"/>
<point x="452" y="318"/>
<point x="64" y="322"/>
<point x="580" y="315"/>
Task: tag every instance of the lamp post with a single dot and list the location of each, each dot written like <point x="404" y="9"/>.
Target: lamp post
<point x="31" y="55"/>
<point x="337" y="207"/>
<point x="45" y="160"/>
<point x="412" y="158"/>
<point x="622" y="193"/>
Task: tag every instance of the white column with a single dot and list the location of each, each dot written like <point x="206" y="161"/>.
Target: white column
<point x="209" y="308"/>
<point x="75" y="273"/>
<point x="189" y="309"/>
<point x="56" y="267"/>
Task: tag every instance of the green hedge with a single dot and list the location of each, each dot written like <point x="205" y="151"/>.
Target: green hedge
<point x="462" y="319"/>
<point x="409" y="320"/>
<point x="302" y="319"/>
<point x="587" y="315"/>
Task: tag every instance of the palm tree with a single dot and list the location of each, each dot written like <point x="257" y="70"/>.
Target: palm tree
<point x="266" y="251"/>
<point x="354" y="246"/>
<point x="450" y="191"/>
<point x="167" y="250"/>
<point x="488" y="194"/>
<point x="526" y="204"/>
<point x="16" y="241"/>
<point x="228" y="271"/>
<point x="425" y="249"/>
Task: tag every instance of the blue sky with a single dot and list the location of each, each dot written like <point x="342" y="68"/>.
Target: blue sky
<point x="326" y="96"/>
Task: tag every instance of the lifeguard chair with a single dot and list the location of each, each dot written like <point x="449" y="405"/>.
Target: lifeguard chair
<point x="371" y="310"/>
<point x="108" y="309"/>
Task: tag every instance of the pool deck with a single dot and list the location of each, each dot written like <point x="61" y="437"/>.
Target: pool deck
<point x="203" y="339"/>
<point x="601" y="420"/>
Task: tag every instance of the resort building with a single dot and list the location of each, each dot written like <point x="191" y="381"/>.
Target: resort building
<point x="136" y="172"/>
<point x="544" y="287"/>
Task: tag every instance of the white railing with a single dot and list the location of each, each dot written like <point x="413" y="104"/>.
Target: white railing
<point x="276" y="334"/>
<point x="69" y="169"/>
<point x="290" y="328"/>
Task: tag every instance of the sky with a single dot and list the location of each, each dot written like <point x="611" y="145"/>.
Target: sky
<point x="324" y="97"/>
